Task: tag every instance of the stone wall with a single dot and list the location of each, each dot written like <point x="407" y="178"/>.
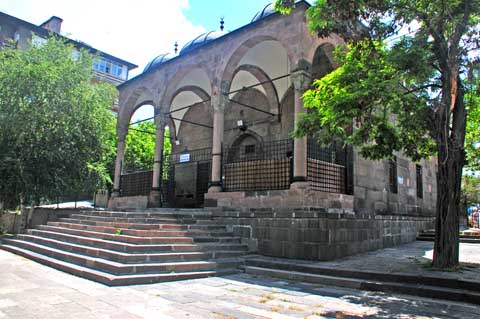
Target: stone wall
<point x="31" y="217"/>
<point x="298" y="197"/>
<point x="320" y="234"/>
<point x="128" y="202"/>
<point x="372" y="192"/>
<point x="8" y="221"/>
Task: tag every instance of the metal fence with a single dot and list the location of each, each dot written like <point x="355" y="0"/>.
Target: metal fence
<point x="185" y="177"/>
<point x="137" y="183"/>
<point x="257" y="167"/>
<point x="329" y="167"/>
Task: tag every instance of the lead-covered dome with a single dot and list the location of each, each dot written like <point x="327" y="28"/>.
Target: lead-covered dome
<point x="266" y="11"/>
<point x="157" y="61"/>
<point x="202" y="40"/>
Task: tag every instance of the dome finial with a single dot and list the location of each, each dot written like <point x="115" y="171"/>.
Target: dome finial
<point x="175" y="47"/>
<point x="221" y="23"/>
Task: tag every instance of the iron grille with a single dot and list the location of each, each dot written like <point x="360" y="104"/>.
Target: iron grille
<point x="258" y="167"/>
<point x="204" y="154"/>
<point x="329" y="167"/>
<point x="419" y="181"/>
<point x="392" y="175"/>
<point x="135" y="184"/>
<point x="201" y="160"/>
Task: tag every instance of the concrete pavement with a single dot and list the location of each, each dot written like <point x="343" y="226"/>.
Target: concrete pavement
<point x="30" y="290"/>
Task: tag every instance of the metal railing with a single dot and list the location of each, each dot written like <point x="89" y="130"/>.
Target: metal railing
<point x="136" y="183"/>
<point x="329" y="167"/>
<point x="258" y="167"/>
<point x="185" y="177"/>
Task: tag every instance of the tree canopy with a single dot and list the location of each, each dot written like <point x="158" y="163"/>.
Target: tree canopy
<point x="55" y="123"/>
<point x="407" y="83"/>
<point x="140" y="147"/>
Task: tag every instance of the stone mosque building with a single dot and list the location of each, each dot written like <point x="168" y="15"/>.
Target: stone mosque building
<point x="230" y="101"/>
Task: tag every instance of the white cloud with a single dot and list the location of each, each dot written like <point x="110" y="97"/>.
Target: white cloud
<point x="135" y="31"/>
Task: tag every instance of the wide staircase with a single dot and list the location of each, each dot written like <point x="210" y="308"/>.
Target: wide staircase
<point x="124" y="248"/>
<point x="468" y="236"/>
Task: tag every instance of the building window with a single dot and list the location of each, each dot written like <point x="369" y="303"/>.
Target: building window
<point x="392" y="175"/>
<point x="38" y="41"/>
<point x="109" y="67"/>
<point x="419" y="181"/>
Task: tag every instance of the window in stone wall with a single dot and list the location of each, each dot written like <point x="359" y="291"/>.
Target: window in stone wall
<point x="419" y="170"/>
<point x="392" y="175"/>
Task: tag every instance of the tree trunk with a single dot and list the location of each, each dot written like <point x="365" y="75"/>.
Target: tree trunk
<point x="446" y="249"/>
<point x="451" y="158"/>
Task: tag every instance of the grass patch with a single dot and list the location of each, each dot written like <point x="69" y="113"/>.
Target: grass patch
<point x="295" y="308"/>
<point x="276" y="308"/>
<point x="268" y="296"/>
<point x="233" y="290"/>
<point x="223" y="316"/>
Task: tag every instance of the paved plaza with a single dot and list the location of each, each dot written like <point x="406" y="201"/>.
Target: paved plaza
<point x="30" y="290"/>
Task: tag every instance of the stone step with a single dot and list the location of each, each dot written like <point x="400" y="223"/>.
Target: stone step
<point x="144" y="220"/>
<point x="463" y="234"/>
<point x="130" y="258"/>
<point x="153" y="214"/>
<point x="116" y="268"/>
<point x="372" y="285"/>
<point x="313" y="267"/>
<point x="462" y="239"/>
<point x="162" y="226"/>
<point x="216" y="239"/>
<point x="136" y="248"/>
<point x="109" y="279"/>
<point x="140" y="232"/>
<point x="113" y="237"/>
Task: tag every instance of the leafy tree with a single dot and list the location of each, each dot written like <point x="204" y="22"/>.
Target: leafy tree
<point x="406" y="93"/>
<point x="472" y="138"/>
<point x="470" y="190"/>
<point x="140" y="147"/>
<point x="53" y="123"/>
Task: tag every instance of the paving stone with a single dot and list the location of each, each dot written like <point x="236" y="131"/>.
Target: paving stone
<point x="4" y="303"/>
<point x="235" y="296"/>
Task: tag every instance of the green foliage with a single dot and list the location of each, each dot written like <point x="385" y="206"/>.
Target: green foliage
<point x="140" y="147"/>
<point x="391" y="90"/>
<point x="470" y="190"/>
<point x="284" y="6"/>
<point x="367" y="90"/>
<point x="414" y="92"/>
<point x="472" y="137"/>
<point x="54" y="123"/>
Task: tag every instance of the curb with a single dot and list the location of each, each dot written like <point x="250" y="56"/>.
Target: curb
<point x="410" y="284"/>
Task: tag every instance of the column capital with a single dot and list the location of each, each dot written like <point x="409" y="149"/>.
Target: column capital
<point x="301" y="80"/>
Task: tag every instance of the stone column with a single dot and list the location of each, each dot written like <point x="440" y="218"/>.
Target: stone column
<point x="155" y="194"/>
<point x="218" y="105"/>
<point x="301" y="82"/>
<point x="119" y="163"/>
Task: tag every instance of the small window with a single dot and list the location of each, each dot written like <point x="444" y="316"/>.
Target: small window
<point x="250" y="149"/>
<point x="392" y="175"/>
<point x="419" y="170"/>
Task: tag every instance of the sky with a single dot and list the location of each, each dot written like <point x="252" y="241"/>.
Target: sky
<point x="136" y="31"/>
